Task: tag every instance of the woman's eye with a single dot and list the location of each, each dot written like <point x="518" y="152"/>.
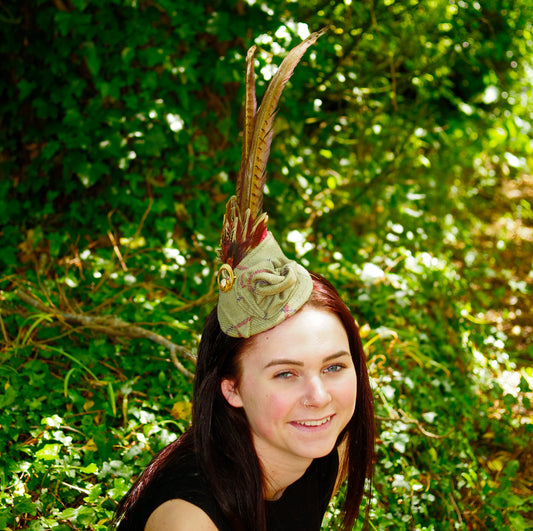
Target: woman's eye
<point x="334" y="368"/>
<point x="283" y="375"/>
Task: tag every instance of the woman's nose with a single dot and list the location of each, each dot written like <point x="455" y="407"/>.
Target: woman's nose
<point x="316" y="393"/>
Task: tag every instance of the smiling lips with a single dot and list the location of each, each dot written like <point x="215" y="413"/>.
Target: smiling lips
<point x="312" y="423"/>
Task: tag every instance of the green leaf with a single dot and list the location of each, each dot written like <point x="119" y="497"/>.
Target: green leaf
<point x="24" y="505"/>
<point x="50" y="452"/>
<point x="68" y="513"/>
<point x="92" y="57"/>
<point x="5" y="518"/>
<point x="25" y="87"/>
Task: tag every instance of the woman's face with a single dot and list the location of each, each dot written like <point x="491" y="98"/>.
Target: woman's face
<point x="298" y="387"/>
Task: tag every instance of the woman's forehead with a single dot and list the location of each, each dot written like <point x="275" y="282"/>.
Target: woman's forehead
<point x="312" y="334"/>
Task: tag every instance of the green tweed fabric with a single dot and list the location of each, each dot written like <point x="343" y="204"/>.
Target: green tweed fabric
<point x="268" y="289"/>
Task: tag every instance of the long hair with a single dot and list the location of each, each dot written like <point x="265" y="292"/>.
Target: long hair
<point x="220" y="435"/>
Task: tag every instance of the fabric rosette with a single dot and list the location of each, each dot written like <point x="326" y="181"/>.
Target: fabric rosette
<point x="265" y="289"/>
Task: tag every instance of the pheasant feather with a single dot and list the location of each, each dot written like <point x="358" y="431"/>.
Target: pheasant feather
<point x="250" y="106"/>
<point x="244" y="224"/>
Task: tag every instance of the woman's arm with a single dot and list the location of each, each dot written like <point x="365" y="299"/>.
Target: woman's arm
<point x="179" y="515"/>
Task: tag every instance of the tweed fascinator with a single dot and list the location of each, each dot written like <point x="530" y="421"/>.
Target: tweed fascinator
<point x="259" y="287"/>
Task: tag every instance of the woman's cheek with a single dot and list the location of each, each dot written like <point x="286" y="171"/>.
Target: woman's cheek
<point x="275" y="410"/>
<point x="349" y="392"/>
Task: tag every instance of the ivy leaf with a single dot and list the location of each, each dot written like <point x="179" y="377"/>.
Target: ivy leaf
<point x="92" y="58"/>
<point x="50" y="452"/>
<point x="24" y="505"/>
<point x="90" y="469"/>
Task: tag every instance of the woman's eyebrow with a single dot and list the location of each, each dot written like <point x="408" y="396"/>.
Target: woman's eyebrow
<point x="287" y="361"/>
<point x="337" y="355"/>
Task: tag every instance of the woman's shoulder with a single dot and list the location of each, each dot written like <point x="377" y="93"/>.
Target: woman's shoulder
<point x="179" y="515"/>
<point x="178" y="492"/>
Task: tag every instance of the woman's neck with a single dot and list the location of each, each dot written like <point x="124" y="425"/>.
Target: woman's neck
<point x="279" y="473"/>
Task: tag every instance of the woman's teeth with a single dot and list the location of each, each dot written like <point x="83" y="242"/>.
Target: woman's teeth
<point x="313" y="422"/>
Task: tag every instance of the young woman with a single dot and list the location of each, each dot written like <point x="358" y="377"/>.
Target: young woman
<point x="280" y="419"/>
<point x="282" y="407"/>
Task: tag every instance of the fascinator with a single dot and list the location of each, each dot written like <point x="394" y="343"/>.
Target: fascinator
<point x="259" y="287"/>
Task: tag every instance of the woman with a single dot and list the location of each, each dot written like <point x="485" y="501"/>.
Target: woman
<point x="282" y="407"/>
<point x="279" y="420"/>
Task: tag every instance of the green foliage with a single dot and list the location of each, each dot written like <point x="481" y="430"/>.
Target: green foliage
<point x="399" y="170"/>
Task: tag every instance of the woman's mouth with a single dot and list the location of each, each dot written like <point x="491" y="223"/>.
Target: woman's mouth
<point x="312" y="423"/>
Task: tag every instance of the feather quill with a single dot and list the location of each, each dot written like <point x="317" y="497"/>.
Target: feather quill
<point x="244" y="224"/>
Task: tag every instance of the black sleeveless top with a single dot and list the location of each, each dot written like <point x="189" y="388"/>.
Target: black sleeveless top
<point x="301" y="508"/>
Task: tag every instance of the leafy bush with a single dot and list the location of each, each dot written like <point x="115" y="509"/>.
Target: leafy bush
<point x="399" y="170"/>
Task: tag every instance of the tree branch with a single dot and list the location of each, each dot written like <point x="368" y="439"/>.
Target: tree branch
<point x="113" y="326"/>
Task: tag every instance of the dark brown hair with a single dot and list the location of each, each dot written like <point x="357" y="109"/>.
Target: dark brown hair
<point x="221" y="438"/>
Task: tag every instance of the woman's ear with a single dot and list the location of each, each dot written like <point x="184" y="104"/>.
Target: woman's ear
<point x="230" y="392"/>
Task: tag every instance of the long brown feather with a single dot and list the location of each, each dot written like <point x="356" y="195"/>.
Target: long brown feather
<point x="244" y="225"/>
<point x="250" y="106"/>
<point x="254" y="174"/>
